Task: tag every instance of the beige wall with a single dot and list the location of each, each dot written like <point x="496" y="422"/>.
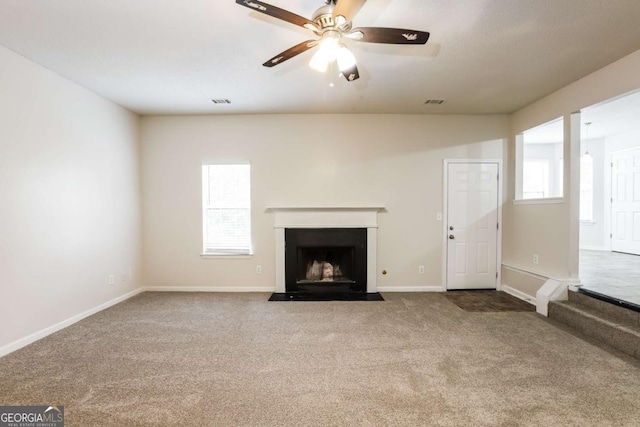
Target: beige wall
<point x="391" y="160"/>
<point x="70" y="199"/>
<point x="544" y="228"/>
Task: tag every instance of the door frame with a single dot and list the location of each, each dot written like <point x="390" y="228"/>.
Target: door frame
<point x="445" y="213"/>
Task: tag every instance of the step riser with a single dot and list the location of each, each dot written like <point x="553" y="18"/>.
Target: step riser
<point x="617" y="338"/>
<point x="619" y="313"/>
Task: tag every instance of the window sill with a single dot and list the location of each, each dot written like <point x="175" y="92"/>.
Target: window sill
<point x="226" y="256"/>
<point x="547" y="201"/>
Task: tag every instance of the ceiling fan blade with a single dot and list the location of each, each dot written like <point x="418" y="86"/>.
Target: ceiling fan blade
<point x="351" y="73"/>
<point x="290" y="53"/>
<point x="347" y="9"/>
<point x="388" y="35"/>
<point x="276" y="12"/>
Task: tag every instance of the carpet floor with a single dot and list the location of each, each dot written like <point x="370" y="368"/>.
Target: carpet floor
<point x="238" y="360"/>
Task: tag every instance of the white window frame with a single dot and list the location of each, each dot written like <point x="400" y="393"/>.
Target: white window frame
<point x="209" y="249"/>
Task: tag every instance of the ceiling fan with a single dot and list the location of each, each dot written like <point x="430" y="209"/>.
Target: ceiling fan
<point x="331" y="23"/>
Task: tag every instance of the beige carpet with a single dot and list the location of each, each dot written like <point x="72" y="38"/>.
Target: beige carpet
<point x="238" y="360"/>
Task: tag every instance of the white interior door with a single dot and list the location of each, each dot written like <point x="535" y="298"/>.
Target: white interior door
<point x="625" y="201"/>
<point x="472" y="225"/>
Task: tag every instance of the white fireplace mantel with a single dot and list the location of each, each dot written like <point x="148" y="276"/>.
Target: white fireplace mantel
<point x="327" y="217"/>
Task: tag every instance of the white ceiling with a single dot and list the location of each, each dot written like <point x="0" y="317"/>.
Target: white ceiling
<point x="613" y="117"/>
<point x="173" y="57"/>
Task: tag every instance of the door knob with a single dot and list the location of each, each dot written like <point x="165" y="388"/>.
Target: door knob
<point x="451" y="236"/>
<point x="451" y="228"/>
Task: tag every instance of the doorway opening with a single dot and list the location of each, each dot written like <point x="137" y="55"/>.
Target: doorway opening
<point x="610" y="200"/>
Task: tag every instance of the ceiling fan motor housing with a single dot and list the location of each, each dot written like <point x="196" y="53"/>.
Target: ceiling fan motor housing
<point x="323" y="18"/>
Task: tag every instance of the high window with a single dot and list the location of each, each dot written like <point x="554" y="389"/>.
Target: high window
<point x="226" y="209"/>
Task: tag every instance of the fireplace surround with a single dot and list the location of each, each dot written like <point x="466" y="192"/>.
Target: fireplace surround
<point x="339" y="219"/>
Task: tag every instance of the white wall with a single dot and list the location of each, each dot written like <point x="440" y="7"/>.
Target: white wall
<point x="592" y="234"/>
<point x="69" y="185"/>
<point x="623" y="141"/>
<point x="545" y="228"/>
<point x="391" y="160"/>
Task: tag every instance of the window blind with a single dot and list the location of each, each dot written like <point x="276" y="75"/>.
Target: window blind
<point x="226" y="209"/>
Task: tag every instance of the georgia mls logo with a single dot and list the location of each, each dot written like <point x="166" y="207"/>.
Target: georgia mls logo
<point x="31" y="416"/>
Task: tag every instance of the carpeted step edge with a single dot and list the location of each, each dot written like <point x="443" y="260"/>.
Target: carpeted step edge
<point x="618" y="336"/>
<point x="606" y="310"/>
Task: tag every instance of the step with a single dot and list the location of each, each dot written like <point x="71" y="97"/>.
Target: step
<point x="610" y="311"/>
<point x="599" y="320"/>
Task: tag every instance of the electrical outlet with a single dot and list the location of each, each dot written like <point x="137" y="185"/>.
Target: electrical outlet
<point x="123" y="278"/>
<point x="421" y="269"/>
<point x="112" y="280"/>
<point x="258" y="269"/>
<point x="536" y="259"/>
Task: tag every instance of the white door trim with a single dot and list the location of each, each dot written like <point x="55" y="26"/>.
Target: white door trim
<point x="445" y="198"/>
<point x="612" y="154"/>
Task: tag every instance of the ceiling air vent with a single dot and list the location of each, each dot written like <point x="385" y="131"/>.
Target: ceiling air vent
<point x="221" y="101"/>
<point x="434" y="101"/>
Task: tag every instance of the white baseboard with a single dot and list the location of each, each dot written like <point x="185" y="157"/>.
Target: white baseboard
<point x="410" y="289"/>
<point x="519" y="294"/>
<point x="209" y="289"/>
<point x="22" y="342"/>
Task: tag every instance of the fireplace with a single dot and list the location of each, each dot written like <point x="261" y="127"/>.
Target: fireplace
<point x="326" y="260"/>
<point x="337" y="246"/>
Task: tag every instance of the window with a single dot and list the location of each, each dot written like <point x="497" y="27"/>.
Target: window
<point x="540" y="165"/>
<point x="535" y="179"/>
<point x="226" y="209"/>
<point x="586" y="187"/>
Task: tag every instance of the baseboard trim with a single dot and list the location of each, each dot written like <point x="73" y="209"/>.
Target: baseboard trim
<point x="268" y="289"/>
<point x="410" y="289"/>
<point x="29" y="339"/>
<point x="519" y="294"/>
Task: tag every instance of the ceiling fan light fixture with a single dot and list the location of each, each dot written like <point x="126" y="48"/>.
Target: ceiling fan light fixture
<point x="346" y="59"/>
<point x="327" y="53"/>
<point x="331" y="23"/>
<point x="318" y="62"/>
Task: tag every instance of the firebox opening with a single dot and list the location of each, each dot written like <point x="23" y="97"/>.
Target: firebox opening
<point x="326" y="260"/>
<point x="325" y="265"/>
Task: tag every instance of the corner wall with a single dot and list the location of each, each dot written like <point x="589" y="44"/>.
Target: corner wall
<point x="545" y="229"/>
<point x="70" y="217"/>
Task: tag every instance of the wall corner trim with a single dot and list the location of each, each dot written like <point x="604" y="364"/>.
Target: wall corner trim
<point x="552" y="290"/>
<point x="29" y="339"/>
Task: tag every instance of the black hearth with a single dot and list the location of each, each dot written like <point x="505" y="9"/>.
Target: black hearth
<point x="326" y="260"/>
